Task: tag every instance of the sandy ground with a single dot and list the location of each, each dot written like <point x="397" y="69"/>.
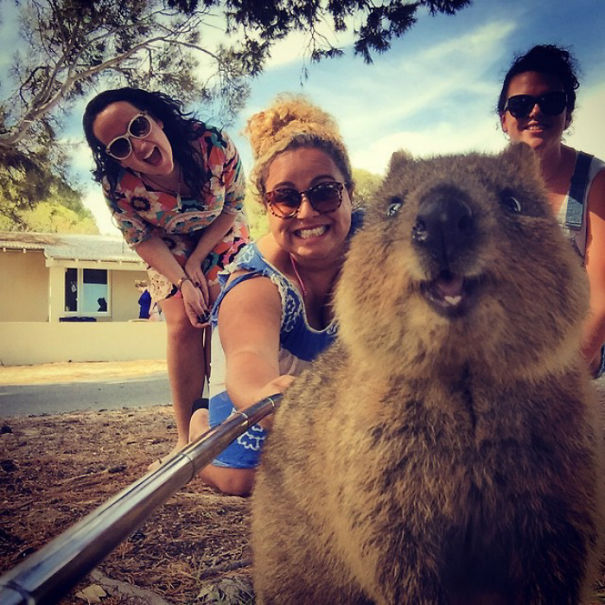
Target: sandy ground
<point x="79" y="371"/>
<point x="55" y="469"/>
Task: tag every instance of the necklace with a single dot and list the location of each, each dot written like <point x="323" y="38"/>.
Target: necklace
<point x="159" y="187"/>
<point x="301" y="283"/>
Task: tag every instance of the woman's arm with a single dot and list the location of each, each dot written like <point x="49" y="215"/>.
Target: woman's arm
<point x="232" y="178"/>
<point x="211" y="236"/>
<point x="249" y="324"/>
<point x="594" y="328"/>
<point x="156" y="253"/>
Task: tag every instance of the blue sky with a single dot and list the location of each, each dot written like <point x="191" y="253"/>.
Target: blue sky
<point x="434" y="92"/>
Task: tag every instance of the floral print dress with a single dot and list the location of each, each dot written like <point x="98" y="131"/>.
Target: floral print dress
<point x="141" y="213"/>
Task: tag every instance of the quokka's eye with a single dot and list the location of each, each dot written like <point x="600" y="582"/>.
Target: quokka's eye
<point x="395" y="204"/>
<point x="510" y="202"/>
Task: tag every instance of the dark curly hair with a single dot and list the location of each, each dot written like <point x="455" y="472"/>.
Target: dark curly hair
<point x="546" y="59"/>
<point x="179" y="127"/>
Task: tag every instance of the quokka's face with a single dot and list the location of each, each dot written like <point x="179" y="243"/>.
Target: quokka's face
<point x="468" y="247"/>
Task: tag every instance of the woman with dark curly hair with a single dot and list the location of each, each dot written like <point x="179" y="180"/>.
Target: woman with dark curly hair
<point x="536" y="104"/>
<point x="175" y="188"/>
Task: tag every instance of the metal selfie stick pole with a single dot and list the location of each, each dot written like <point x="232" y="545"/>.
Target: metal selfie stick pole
<point x="49" y="573"/>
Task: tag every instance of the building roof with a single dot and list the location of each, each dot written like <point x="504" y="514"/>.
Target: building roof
<point x="66" y="246"/>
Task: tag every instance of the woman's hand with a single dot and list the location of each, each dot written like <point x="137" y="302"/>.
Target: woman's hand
<point x="193" y="268"/>
<point x="195" y="305"/>
<point x="210" y="237"/>
<point x="277" y="385"/>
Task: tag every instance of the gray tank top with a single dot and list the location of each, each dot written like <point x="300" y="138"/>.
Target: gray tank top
<point x="573" y="213"/>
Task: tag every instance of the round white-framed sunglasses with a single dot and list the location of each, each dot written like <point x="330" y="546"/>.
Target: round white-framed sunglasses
<point x="120" y="147"/>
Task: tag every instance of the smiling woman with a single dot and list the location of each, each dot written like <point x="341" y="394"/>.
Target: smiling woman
<point x="274" y="313"/>
<point x="536" y="106"/>
<point x="175" y="188"/>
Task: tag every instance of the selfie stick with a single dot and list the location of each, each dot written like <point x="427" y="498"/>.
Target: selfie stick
<point x="49" y="573"/>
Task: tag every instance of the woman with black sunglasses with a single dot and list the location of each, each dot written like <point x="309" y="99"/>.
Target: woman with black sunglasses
<point x="175" y="188"/>
<point x="274" y="315"/>
<point x="536" y="104"/>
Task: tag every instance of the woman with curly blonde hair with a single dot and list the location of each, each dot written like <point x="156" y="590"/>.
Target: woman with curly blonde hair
<point x="274" y="313"/>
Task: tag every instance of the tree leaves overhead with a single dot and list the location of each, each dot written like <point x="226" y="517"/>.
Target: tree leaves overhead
<point x="375" y="23"/>
<point x="175" y="45"/>
<point x="195" y="50"/>
<point x="72" y="44"/>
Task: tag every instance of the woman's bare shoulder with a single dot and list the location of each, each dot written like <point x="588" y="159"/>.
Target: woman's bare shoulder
<point x="272" y="252"/>
<point x="596" y="194"/>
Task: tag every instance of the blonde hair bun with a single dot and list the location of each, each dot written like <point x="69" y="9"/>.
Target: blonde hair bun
<point x="293" y="121"/>
<point x="288" y="116"/>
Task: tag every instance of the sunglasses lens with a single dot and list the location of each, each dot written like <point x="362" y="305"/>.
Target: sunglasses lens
<point x="119" y="148"/>
<point x="552" y="103"/>
<point x="140" y="127"/>
<point x="520" y="105"/>
<point x="325" y="197"/>
<point x="284" y="202"/>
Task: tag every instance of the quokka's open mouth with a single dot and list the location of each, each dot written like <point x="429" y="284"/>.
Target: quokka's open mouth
<point x="449" y="294"/>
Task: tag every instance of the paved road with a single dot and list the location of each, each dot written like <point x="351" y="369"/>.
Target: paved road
<point x="78" y="396"/>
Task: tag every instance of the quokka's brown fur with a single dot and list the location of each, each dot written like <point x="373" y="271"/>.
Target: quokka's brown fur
<point x="444" y="450"/>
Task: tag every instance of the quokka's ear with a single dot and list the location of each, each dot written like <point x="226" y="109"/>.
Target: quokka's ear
<point x="398" y="161"/>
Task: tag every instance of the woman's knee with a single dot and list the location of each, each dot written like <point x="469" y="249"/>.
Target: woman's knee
<point x="198" y="425"/>
<point x="238" y="484"/>
<point x="179" y="327"/>
<point x="234" y="481"/>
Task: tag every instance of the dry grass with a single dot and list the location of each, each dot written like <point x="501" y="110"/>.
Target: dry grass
<point x="56" y="469"/>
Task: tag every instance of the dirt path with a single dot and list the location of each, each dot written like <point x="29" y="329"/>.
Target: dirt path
<point x="74" y="372"/>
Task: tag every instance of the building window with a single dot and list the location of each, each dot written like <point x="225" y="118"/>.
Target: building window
<point x="86" y="291"/>
<point x="71" y="290"/>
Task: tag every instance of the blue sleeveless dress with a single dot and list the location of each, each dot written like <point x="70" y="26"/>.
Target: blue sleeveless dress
<point x="299" y="344"/>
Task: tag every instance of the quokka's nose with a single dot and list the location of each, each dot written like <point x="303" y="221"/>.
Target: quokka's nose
<point x="444" y="224"/>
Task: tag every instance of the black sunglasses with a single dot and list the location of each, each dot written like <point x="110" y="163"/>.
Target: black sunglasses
<point x="285" y="201"/>
<point x="550" y="104"/>
<point x="139" y="128"/>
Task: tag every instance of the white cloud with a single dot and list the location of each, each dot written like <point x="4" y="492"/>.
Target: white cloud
<point x="484" y="135"/>
<point x="81" y="156"/>
<point x="435" y="139"/>
<point x="296" y="47"/>
<point x="477" y="45"/>
<point x="418" y="90"/>
<point x="431" y="102"/>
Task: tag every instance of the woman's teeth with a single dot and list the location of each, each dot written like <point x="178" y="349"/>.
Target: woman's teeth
<point x="313" y="232"/>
